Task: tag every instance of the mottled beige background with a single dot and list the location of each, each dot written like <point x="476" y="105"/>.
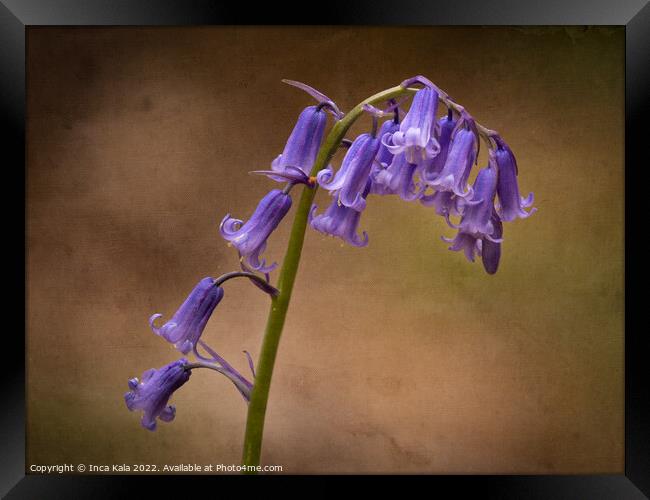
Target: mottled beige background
<point x="401" y="357"/>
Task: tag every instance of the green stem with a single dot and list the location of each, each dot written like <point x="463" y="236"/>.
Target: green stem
<point x="287" y="277"/>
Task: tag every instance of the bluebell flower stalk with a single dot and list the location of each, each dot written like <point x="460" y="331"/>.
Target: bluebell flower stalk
<point x="287" y="276"/>
<point x="420" y="152"/>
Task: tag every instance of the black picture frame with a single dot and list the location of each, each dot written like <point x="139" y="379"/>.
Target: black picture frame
<point x="17" y="15"/>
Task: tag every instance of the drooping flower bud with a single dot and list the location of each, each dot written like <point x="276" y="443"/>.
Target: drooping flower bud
<point x="152" y="394"/>
<point x="458" y="164"/>
<point x="340" y="221"/>
<point x="185" y="328"/>
<point x="415" y="137"/>
<point x="511" y="205"/>
<point x="302" y="146"/>
<point x="397" y="178"/>
<point x="351" y="179"/>
<point x="430" y="168"/>
<point x="250" y="238"/>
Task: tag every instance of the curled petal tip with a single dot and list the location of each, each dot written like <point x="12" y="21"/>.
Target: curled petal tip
<point x="229" y="226"/>
<point x="528" y="201"/>
<point x="310" y="215"/>
<point x="152" y="320"/>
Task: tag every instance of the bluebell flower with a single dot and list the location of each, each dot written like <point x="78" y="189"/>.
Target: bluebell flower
<point x="340" y="221"/>
<point x="511" y="205"/>
<point x="186" y="326"/>
<point x="477" y="211"/>
<point x="152" y="394"/>
<point x="446" y="203"/>
<point x="458" y="164"/>
<point x="384" y="156"/>
<point x="302" y="146"/>
<point x="477" y="224"/>
<point x="397" y="178"/>
<point x="431" y="168"/>
<point x="250" y="238"/>
<point x="415" y="137"/>
<point x="351" y="179"/>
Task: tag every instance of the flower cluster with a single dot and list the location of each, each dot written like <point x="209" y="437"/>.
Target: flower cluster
<point x="414" y="154"/>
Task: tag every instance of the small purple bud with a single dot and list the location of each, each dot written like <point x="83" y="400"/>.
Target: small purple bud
<point x="415" y="136"/>
<point x="490" y="250"/>
<point x="153" y="393"/>
<point x="250" y="238"/>
<point x="511" y="204"/>
<point x="351" y="179"/>
<point x="303" y="143"/>
<point x="185" y="328"/>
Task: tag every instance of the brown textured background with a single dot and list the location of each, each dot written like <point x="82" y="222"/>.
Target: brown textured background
<point x="401" y="357"/>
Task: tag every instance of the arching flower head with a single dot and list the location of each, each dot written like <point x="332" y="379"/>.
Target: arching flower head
<point x="340" y="221"/>
<point x="351" y="179"/>
<point x="511" y="205"/>
<point x="250" y="238"/>
<point x="152" y="394"/>
<point x="186" y="326"/>
<point x="415" y="137"/>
